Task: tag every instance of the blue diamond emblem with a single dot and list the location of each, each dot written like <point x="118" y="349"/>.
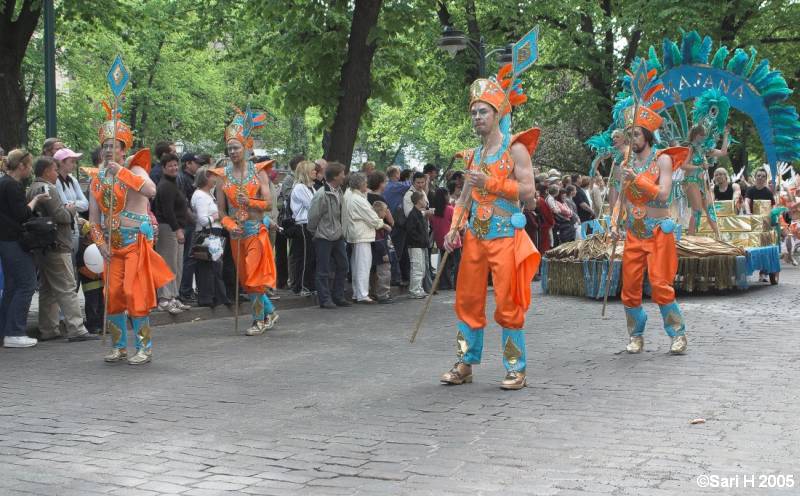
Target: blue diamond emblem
<point x="118" y="77"/>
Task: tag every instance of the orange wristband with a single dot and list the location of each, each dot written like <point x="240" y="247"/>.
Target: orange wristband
<point x="507" y="188"/>
<point x="642" y="189"/>
<point x="229" y="223"/>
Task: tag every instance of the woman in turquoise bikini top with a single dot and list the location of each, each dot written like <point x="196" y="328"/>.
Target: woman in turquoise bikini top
<point x="696" y="181"/>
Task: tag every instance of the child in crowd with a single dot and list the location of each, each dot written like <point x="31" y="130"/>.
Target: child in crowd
<point x="91" y="282"/>
<point x="418" y="239"/>
<point x="381" y="276"/>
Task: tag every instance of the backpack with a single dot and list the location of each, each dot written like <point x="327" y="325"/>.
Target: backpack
<point x="286" y="219"/>
<point x="38" y="233"/>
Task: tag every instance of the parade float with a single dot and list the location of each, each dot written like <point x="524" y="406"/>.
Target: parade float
<point x="698" y="90"/>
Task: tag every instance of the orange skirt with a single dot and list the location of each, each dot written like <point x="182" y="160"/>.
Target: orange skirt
<point x="256" y="263"/>
<point x="134" y="274"/>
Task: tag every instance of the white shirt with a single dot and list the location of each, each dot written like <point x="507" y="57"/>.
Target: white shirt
<point x="204" y="206"/>
<point x="72" y="193"/>
<point x="301" y="202"/>
<point x="407" y="205"/>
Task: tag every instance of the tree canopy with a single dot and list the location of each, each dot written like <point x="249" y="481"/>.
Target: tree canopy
<point x="357" y="78"/>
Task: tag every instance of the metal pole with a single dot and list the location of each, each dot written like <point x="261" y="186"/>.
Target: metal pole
<point x="481" y="58"/>
<point x="50" y="69"/>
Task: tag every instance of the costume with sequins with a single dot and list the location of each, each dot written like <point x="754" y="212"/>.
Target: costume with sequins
<point x="650" y="242"/>
<point x="135" y="271"/>
<point x="495" y="240"/>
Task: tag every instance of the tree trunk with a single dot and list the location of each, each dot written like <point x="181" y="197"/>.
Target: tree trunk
<point x="14" y="124"/>
<point x="14" y="39"/>
<point x="298" y="137"/>
<point x="150" y="76"/>
<point x="354" y="86"/>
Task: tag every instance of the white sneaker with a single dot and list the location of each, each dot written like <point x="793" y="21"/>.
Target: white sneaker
<point x="178" y="303"/>
<point x="19" y="342"/>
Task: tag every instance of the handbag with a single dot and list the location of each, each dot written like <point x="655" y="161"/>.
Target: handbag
<point x="207" y="245"/>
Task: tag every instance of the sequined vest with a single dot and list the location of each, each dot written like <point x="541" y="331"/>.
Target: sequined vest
<point x="491" y="215"/>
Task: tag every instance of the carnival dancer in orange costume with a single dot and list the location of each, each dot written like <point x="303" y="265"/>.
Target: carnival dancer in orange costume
<point x="243" y="197"/>
<point x="500" y="176"/>
<point x="650" y="242"/>
<point x="119" y="199"/>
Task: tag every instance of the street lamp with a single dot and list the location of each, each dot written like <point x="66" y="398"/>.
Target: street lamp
<point x="453" y="41"/>
<point x="49" y="69"/>
<point x="179" y="147"/>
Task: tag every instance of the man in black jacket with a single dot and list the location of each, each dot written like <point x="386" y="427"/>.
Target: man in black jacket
<point x="185" y="181"/>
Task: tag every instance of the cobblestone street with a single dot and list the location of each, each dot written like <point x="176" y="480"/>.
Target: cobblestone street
<point x="338" y="402"/>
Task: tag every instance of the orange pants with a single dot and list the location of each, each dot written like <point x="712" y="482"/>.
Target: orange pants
<point x="660" y="257"/>
<point x="134" y="274"/>
<point x="256" y="264"/>
<point x="513" y="262"/>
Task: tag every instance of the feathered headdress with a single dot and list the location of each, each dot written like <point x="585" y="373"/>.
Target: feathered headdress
<point x="500" y="92"/>
<point x="106" y="130"/>
<point x="711" y="109"/>
<point x="242" y="126"/>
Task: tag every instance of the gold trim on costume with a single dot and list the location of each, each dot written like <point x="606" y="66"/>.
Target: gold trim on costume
<point x="461" y="345"/>
<point x="673" y="319"/>
<point x="145" y="334"/>
<point x="631" y="323"/>
<point x="511" y="352"/>
<point x="115" y="331"/>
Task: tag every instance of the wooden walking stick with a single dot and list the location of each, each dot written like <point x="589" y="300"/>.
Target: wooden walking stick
<point x="236" y="298"/>
<point x="442" y="263"/>
<point x="638" y="82"/>
<point x="616" y="216"/>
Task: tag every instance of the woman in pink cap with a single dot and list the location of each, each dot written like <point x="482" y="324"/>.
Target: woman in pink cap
<point x="70" y="190"/>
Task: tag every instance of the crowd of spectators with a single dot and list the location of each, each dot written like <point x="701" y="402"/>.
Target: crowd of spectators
<point x="329" y="224"/>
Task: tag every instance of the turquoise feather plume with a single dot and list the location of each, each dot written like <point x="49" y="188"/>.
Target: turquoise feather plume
<point x="705" y="50"/>
<point x="762" y="69"/>
<point x="690" y="46"/>
<point x="719" y="58"/>
<point x="738" y="62"/>
<point x="751" y="62"/>
<point x="653" y="61"/>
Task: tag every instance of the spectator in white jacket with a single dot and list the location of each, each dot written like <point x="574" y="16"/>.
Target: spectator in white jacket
<point x="359" y="222"/>
<point x="302" y="249"/>
<point x="70" y="191"/>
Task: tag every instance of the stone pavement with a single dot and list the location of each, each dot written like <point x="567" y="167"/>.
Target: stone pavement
<point x="338" y="402"/>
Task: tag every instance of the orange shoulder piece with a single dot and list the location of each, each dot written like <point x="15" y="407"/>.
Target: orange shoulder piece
<point x="264" y="166"/>
<point x="529" y="138"/>
<point x="219" y="171"/>
<point x="141" y="159"/>
<point x="92" y="172"/>
<point x="678" y="154"/>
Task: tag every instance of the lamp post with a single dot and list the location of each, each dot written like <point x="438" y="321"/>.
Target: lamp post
<point x="453" y="41"/>
<point x="49" y="69"/>
<point x="179" y="147"/>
